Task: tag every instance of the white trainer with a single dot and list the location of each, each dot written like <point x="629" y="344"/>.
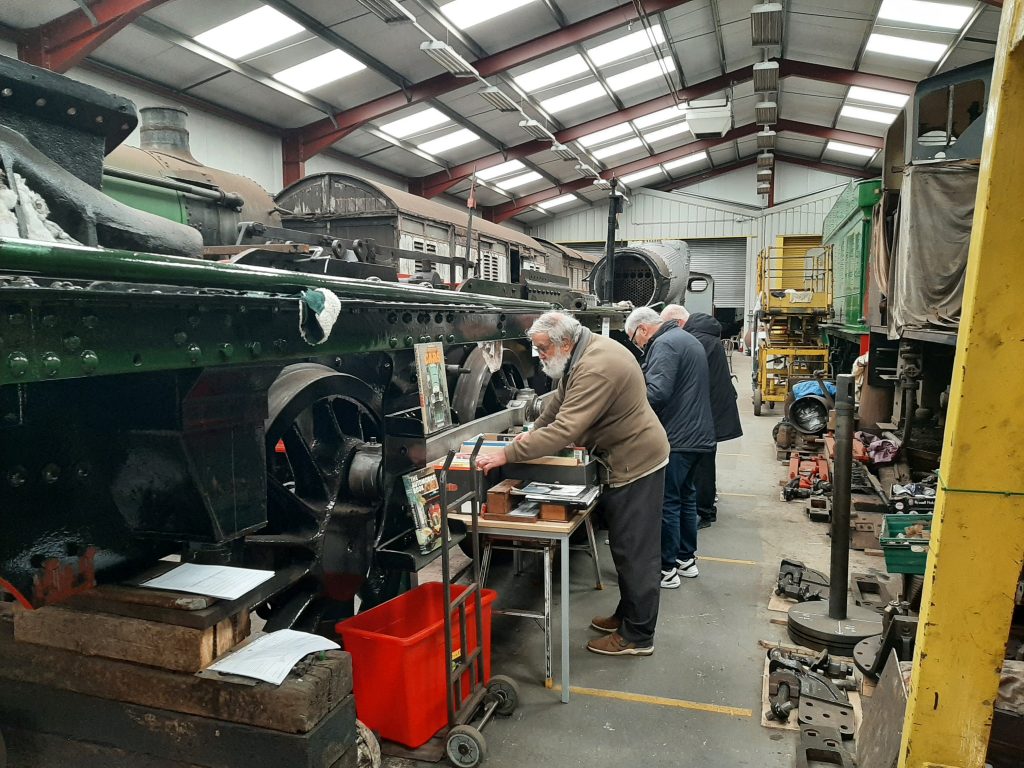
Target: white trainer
<point x="687" y="568"/>
<point x="670" y="579"/>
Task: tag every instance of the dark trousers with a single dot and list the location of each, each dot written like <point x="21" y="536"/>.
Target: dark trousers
<point x="679" y="510"/>
<point x="633" y="514"/>
<point x="705" y="481"/>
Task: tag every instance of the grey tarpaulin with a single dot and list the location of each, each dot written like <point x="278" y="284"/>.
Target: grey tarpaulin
<point x="926" y="273"/>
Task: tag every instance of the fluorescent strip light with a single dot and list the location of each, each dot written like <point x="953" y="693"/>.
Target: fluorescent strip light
<point x="448" y="58"/>
<point x="319" y="70"/>
<point x="249" y="32"/>
<point x="641" y="74"/>
<point x="599" y="137"/>
<point x="519" y="181"/>
<point x="563" y="151"/>
<point x="766" y="112"/>
<point x="766" y="24"/>
<point x="623" y="47"/>
<point x="468" y="13"/>
<point x="417" y="123"/>
<point x="661" y="116"/>
<point x="554" y="203"/>
<point x="765" y="160"/>
<point x="500" y="170"/>
<point x="602" y="184"/>
<point x="388" y="11"/>
<point x="696" y="157"/>
<point x="871" y="115"/>
<point x="925" y="14"/>
<point x="618" y="149"/>
<point x="766" y="139"/>
<point x="850" y="149"/>
<point x="552" y="73"/>
<point x="872" y="96"/>
<point x="644" y="174"/>
<point x="448" y="141"/>
<point x="536" y="129"/>
<point x="585" y="170"/>
<point x="766" y="76"/>
<point x="573" y="98"/>
<point x="498" y="99"/>
<point x="906" y="48"/>
<point x="663" y="133"/>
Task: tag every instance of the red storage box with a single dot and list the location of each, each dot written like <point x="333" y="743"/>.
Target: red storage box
<point x="398" y="661"/>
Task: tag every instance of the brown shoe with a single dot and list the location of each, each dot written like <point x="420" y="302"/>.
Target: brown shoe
<point x="606" y="623"/>
<point x="615" y="645"/>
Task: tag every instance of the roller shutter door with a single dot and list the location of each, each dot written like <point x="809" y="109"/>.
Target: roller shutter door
<point x="725" y="259"/>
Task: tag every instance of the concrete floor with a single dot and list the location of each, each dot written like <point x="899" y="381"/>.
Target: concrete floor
<point x="706" y="647"/>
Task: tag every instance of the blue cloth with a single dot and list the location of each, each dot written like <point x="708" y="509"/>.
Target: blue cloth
<point x="679" y="510"/>
<point x="805" y="388"/>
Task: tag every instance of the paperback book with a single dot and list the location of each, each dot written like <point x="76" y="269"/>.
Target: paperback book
<point x="424" y="494"/>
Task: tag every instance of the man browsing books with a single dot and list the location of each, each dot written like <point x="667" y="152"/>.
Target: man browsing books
<point x="600" y="402"/>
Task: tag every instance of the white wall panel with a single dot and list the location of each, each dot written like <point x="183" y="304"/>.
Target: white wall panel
<point x="328" y="164"/>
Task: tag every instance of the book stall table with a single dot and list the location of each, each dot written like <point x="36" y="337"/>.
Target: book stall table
<point x="542" y="537"/>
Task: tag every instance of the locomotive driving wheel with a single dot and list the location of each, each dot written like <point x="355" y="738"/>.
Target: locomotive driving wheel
<point x="324" y="438"/>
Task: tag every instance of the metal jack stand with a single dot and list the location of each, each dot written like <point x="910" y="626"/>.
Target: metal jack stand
<point x="835" y="625"/>
<point x="464" y="742"/>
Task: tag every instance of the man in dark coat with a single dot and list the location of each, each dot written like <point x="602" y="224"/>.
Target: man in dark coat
<point x="676" y="372"/>
<point x="708" y="332"/>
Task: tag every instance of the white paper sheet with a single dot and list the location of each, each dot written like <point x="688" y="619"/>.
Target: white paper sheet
<point x="271" y="657"/>
<point x="219" y="581"/>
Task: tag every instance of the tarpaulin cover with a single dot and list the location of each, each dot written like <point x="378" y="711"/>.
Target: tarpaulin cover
<point x="926" y="277"/>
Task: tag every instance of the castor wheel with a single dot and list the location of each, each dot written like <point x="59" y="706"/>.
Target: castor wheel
<point x="466" y="746"/>
<point x="507" y="691"/>
<point x="757" y="402"/>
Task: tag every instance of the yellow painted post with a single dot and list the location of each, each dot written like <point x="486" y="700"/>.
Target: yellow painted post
<point x="978" y="537"/>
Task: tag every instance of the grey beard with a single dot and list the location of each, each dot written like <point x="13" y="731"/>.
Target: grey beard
<point x="554" y="367"/>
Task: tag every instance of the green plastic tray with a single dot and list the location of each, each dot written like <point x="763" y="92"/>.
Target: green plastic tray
<point x="904" y="555"/>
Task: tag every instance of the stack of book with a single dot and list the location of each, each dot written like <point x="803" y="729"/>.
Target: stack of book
<point x="554" y="493"/>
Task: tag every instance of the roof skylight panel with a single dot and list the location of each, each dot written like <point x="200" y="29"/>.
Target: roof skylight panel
<point x="468" y="13"/>
<point x="906" y="47"/>
<point x="661" y="116"/>
<point x="599" y="137"/>
<point x="641" y="74"/>
<point x="557" y="201"/>
<point x="872" y="96"/>
<point x="573" y="98"/>
<point x="320" y="70"/>
<point x="552" y="73"/>
<point x="519" y="181"/>
<point x="417" y="123"/>
<point x="626" y="46"/>
<point x="448" y="141"/>
<point x="851" y="149"/>
<point x="249" y="32"/>
<point x="617" y="149"/>
<point x="925" y="14"/>
<point x="871" y="115"/>
<point x="500" y="170"/>
<point x="644" y="174"/>
<point x="696" y="157"/>
<point x="663" y="133"/>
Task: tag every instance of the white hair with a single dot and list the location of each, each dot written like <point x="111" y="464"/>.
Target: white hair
<point x="641" y="316"/>
<point x="558" y="327"/>
<point x="675" y="312"/>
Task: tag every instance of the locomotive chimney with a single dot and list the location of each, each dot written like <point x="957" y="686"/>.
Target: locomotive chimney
<point x="164" y="130"/>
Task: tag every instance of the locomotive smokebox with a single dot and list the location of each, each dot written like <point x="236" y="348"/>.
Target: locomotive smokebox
<point x="645" y="275"/>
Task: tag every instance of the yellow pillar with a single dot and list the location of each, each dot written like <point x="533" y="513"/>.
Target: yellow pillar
<point x="978" y="536"/>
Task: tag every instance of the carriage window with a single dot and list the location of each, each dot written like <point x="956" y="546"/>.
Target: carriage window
<point x="945" y="113"/>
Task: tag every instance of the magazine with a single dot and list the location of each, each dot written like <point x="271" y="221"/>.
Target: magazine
<point x="432" y="379"/>
<point x="423" y="492"/>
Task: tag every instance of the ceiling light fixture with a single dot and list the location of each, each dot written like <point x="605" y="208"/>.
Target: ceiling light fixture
<point x="448" y="58"/>
<point x="766" y="24"/>
<point x="602" y="183"/>
<point x="766" y="112"/>
<point x="536" y="129"/>
<point x="766" y="76"/>
<point x="766" y="139"/>
<point x="498" y="99"/>
<point x="585" y="169"/>
<point x="563" y="151"/>
<point x="388" y="11"/>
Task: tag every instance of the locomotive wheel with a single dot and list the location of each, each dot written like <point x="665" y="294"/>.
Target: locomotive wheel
<point x="323" y="438"/>
<point x="480" y="392"/>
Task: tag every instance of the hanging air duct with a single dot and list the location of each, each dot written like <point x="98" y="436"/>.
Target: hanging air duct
<point x="656" y="273"/>
<point x="709" y="118"/>
<point x="766" y="160"/>
<point x="766" y="112"/>
<point x="498" y="99"/>
<point x="766" y="139"/>
<point x="766" y="24"/>
<point x="766" y="76"/>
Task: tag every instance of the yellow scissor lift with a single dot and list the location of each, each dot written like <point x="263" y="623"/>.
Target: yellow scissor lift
<point x="794" y="288"/>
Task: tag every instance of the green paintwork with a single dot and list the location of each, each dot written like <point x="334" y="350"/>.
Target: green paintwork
<point x="146" y="197"/>
<point x="847" y="228"/>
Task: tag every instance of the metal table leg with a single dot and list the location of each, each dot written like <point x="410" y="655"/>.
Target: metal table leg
<point x="565" y="619"/>
<point x="593" y="553"/>
<point x="548" y="678"/>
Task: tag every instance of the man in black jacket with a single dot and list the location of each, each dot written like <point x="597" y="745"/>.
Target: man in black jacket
<point x="708" y="332"/>
<point x="676" y="372"/>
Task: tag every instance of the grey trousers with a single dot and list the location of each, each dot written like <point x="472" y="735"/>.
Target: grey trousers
<point x="633" y="515"/>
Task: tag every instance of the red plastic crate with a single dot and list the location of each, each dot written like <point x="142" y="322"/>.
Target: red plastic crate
<point x="398" y="661"/>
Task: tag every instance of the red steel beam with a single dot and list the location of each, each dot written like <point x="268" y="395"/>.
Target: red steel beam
<point x="510" y="209"/>
<point x="64" y="42"/>
<point x="839" y="170"/>
<point x="704" y="175"/>
<point x="826" y="132"/>
<point x="311" y="139"/>
<point x="437" y="183"/>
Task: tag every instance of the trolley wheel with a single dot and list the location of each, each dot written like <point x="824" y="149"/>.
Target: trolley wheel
<point x="757" y="402"/>
<point x="507" y="691"/>
<point x="466" y="746"/>
<point x="772" y="406"/>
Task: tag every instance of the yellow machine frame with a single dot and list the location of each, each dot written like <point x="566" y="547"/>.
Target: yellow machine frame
<point x="794" y="283"/>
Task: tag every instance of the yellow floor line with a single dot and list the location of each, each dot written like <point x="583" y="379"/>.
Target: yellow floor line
<point x="748" y="495"/>
<point x="701" y="558"/>
<point x="659" y="701"/>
